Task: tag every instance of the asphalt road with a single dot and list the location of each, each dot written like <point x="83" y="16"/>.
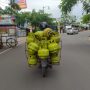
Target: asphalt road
<point x="72" y="74"/>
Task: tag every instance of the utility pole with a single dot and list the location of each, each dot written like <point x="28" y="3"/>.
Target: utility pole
<point x="44" y="8"/>
<point x="12" y="1"/>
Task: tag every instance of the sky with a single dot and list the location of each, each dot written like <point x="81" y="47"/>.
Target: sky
<point x="53" y="7"/>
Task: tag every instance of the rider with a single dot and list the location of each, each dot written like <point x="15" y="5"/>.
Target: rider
<point x="43" y="25"/>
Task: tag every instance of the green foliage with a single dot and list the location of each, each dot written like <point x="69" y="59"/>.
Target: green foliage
<point x="31" y="17"/>
<point x="8" y="10"/>
<point x="86" y="6"/>
<point x="86" y="18"/>
<point x="37" y="17"/>
<point x="22" y="17"/>
<point x="68" y="19"/>
<point x="15" y="6"/>
<point x="66" y="5"/>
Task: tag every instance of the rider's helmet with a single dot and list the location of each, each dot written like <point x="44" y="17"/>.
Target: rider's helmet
<point x="43" y="25"/>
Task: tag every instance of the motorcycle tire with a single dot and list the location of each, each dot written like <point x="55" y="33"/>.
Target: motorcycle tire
<point x="44" y="71"/>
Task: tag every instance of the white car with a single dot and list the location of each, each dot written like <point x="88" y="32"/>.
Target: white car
<point x="72" y="31"/>
<point x="75" y="30"/>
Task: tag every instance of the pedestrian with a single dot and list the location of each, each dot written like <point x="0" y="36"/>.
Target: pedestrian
<point x="27" y="31"/>
<point x="61" y="29"/>
<point x="1" y="44"/>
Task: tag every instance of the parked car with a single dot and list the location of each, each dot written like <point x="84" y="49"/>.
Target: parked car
<point x="72" y="31"/>
<point x="75" y="30"/>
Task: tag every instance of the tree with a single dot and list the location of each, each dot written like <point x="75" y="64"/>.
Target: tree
<point x="22" y="17"/>
<point x="15" y="6"/>
<point x="9" y="11"/>
<point x="68" y="19"/>
<point x="86" y="19"/>
<point x="37" y="17"/>
<point x="86" y="6"/>
<point x="31" y="17"/>
<point x="1" y="11"/>
<point x="66" y="5"/>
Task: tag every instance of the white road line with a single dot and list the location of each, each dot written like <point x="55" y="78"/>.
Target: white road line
<point x="9" y="49"/>
<point x="5" y="51"/>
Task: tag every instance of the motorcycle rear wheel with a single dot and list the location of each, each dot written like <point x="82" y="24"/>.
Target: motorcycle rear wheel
<point x="44" y="71"/>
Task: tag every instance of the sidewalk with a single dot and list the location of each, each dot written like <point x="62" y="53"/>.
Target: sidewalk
<point x="89" y="35"/>
<point x="21" y="40"/>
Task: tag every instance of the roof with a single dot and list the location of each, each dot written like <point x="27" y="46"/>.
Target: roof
<point x="6" y="20"/>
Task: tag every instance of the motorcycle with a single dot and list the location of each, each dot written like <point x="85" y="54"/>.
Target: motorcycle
<point x="43" y="50"/>
<point x="42" y="64"/>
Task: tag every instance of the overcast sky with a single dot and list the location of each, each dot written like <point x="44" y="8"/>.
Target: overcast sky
<point x="53" y="4"/>
<point x="38" y="4"/>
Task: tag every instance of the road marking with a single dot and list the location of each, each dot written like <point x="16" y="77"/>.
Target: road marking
<point x="5" y="51"/>
<point x="9" y="49"/>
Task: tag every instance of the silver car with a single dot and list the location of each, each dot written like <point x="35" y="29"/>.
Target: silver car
<point x="75" y="30"/>
<point x="72" y="31"/>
